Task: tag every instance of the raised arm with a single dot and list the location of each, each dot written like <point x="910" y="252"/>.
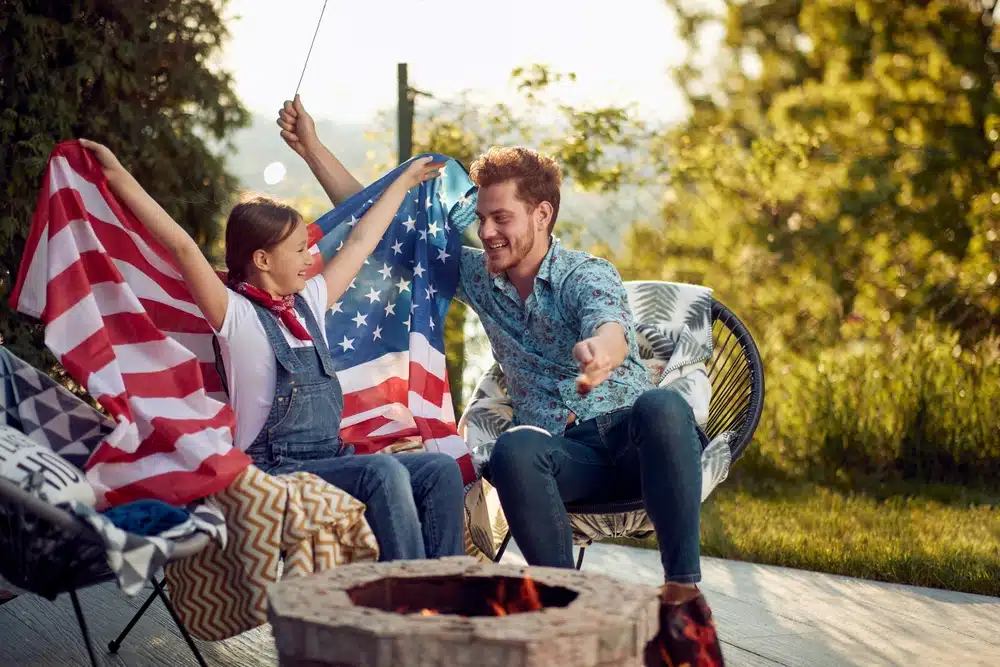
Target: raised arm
<point x="208" y="292"/>
<point x="299" y="132"/>
<point x="363" y="239"/>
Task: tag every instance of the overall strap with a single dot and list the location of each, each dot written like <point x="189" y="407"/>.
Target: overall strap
<point x="312" y="326"/>
<point x="282" y="350"/>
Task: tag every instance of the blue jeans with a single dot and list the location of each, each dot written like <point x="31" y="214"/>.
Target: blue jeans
<point x="414" y="501"/>
<point x="653" y="449"/>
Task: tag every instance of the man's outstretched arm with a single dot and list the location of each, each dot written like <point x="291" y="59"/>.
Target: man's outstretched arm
<point x="299" y="132"/>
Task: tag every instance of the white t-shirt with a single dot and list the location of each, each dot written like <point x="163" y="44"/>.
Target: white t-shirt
<point x="251" y="378"/>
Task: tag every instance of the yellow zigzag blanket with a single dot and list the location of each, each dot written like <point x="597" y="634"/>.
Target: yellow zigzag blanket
<point x="222" y="591"/>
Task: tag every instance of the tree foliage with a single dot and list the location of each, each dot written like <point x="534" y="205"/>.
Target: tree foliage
<point x="141" y="77"/>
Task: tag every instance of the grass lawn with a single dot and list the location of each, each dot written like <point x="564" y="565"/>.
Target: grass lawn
<point x="926" y="535"/>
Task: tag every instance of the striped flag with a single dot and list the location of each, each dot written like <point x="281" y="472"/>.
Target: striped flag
<point x="386" y="333"/>
<point x="122" y="323"/>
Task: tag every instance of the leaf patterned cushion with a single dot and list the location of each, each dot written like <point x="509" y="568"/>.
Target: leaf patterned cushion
<point x="674" y="327"/>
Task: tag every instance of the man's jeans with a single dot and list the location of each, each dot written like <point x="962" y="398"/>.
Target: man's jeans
<point x="654" y="448"/>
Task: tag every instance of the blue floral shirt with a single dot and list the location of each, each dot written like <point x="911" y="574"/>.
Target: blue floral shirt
<point x="574" y="294"/>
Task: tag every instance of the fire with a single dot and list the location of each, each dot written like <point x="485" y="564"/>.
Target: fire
<point x="526" y="599"/>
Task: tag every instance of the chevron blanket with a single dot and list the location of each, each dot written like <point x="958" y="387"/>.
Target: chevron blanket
<point x="297" y="522"/>
<point x="674" y="332"/>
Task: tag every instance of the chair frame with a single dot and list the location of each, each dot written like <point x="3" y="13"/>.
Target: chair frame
<point x="723" y="389"/>
<point x="72" y="530"/>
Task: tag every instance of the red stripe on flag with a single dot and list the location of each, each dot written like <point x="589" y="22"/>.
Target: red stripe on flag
<point x="74" y="283"/>
<point x="181" y="487"/>
<point x="176" y="382"/>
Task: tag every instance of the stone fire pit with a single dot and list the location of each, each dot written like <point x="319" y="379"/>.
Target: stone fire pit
<point x="438" y="613"/>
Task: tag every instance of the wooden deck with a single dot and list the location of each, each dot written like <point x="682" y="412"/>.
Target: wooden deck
<point x="766" y="616"/>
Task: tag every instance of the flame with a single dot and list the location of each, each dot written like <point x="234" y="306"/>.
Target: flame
<point x="526" y="600"/>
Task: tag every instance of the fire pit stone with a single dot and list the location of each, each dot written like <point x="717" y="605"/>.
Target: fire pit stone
<point x="348" y="617"/>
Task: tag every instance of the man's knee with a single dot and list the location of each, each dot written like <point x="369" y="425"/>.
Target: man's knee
<point x="517" y="448"/>
<point x="662" y="410"/>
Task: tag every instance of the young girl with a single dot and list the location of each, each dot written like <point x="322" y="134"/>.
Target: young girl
<point x="283" y="388"/>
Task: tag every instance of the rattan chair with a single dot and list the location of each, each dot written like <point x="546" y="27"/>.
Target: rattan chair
<point x="48" y="551"/>
<point x="737" y="376"/>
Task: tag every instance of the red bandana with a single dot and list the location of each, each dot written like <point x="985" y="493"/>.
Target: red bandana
<point x="284" y="308"/>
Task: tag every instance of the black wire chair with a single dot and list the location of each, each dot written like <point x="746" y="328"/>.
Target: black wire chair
<point x="737" y="376"/>
<point x="48" y="551"/>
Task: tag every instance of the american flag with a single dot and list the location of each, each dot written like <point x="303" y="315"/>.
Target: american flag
<point x="386" y="333"/>
<point x="122" y="323"/>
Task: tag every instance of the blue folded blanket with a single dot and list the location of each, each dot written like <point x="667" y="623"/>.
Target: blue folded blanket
<point x="146" y="517"/>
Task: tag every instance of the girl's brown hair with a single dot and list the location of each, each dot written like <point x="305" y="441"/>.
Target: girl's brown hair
<point x="256" y="223"/>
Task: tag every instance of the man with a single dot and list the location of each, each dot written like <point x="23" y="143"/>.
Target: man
<point x="588" y="424"/>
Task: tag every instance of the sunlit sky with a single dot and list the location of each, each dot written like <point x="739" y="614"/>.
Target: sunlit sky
<point x="620" y="55"/>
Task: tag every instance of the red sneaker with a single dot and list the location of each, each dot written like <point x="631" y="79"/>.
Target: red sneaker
<point x="686" y="637"/>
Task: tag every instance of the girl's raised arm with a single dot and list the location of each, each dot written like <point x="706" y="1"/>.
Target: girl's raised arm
<point x="208" y="291"/>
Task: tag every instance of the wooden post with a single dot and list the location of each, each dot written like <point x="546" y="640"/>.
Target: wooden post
<point x="404" y="113"/>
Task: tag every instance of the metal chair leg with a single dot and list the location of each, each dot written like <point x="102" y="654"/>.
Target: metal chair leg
<point x="83" y="627"/>
<point x="158" y="585"/>
<point x="116" y="644"/>
<point x="579" y="559"/>
<point x="503" y="547"/>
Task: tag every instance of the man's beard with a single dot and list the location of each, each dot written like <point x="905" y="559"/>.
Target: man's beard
<point x="511" y="256"/>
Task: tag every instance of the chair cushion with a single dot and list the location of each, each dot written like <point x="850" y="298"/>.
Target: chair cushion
<point x="40" y="470"/>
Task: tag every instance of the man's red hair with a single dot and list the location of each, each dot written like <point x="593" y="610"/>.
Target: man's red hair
<point x="537" y="177"/>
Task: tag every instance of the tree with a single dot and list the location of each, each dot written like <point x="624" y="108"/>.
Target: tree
<point x="138" y="76"/>
<point x="861" y="143"/>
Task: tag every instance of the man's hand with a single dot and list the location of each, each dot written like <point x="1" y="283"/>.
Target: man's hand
<point x="595" y="362"/>
<point x="297" y="127"/>
<point x="599" y="355"/>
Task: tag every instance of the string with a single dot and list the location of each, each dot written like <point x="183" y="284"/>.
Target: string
<point x="306" y="63"/>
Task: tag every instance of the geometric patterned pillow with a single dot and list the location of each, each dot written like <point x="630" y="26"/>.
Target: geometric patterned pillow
<point x="45" y="411"/>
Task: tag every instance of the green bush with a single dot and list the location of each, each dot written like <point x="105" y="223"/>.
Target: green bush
<point x="919" y="409"/>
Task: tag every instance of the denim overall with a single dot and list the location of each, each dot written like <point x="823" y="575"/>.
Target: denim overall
<point x="414" y="503"/>
<point x="304" y="422"/>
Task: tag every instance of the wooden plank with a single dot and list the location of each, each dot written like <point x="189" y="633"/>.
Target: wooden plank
<point x="738" y="657"/>
<point x="154" y="642"/>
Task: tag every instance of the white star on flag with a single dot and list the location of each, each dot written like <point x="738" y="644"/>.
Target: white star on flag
<point x="335" y="308"/>
<point x="377" y="333"/>
<point x="409" y="223"/>
<point x="372" y="295"/>
<point x="386" y="272"/>
<point x="418" y="270"/>
<point x="360" y="319"/>
<point x="433" y="229"/>
<point x="403" y="285"/>
<point x="353" y="221"/>
<point x="443" y="254"/>
<point x="397" y="248"/>
<point x="347" y="343"/>
<point x="390" y="309"/>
